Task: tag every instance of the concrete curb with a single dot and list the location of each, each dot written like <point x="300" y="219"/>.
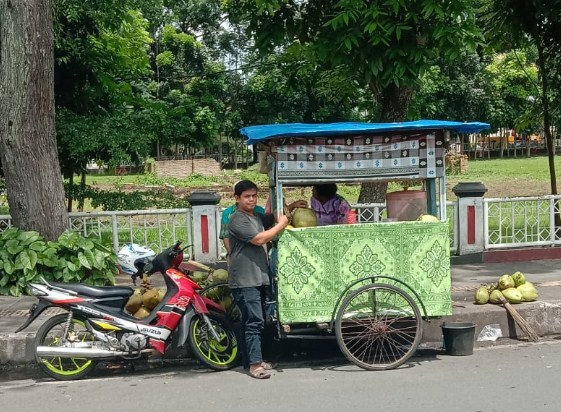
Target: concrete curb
<point x="544" y="317"/>
<point x="17" y="348"/>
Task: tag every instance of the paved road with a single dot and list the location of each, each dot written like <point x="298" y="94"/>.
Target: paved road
<point x="504" y="378"/>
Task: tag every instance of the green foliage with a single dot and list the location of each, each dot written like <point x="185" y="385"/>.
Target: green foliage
<point x="386" y="43"/>
<point x="3" y="197"/>
<point x="25" y="256"/>
<point x="458" y="90"/>
<point x="118" y="199"/>
<point x="119" y="138"/>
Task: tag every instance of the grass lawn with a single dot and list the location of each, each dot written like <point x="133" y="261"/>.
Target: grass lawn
<point x="512" y="177"/>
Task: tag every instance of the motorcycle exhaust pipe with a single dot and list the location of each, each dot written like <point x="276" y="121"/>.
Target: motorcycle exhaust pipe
<point x="69" y="352"/>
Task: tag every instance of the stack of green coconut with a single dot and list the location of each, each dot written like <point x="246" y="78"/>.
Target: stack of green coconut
<point x="515" y="289"/>
<point x="146" y="298"/>
<point x="220" y="294"/>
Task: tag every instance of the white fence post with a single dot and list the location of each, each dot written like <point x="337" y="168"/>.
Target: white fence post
<point x="470" y="219"/>
<point x="205" y="232"/>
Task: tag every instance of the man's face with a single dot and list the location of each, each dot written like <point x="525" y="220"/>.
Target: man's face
<point x="247" y="200"/>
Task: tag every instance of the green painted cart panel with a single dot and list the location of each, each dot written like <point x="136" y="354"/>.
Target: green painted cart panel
<point x="315" y="265"/>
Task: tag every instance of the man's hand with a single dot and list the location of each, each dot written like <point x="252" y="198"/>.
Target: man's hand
<point x="296" y="204"/>
<point x="282" y="220"/>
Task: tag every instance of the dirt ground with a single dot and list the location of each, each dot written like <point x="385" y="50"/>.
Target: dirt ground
<point x="514" y="188"/>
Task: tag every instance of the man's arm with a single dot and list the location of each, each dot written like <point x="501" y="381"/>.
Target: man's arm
<point x="226" y="242"/>
<point x="266" y="236"/>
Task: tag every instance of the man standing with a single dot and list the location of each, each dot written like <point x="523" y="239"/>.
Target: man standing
<point x="224" y="232"/>
<point x="248" y="271"/>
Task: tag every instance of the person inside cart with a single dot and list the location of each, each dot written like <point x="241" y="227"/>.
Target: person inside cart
<point x="330" y="207"/>
<point x="249" y="273"/>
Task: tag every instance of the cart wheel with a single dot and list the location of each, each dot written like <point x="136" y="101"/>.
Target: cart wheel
<point x="378" y="327"/>
<point x="220" y="293"/>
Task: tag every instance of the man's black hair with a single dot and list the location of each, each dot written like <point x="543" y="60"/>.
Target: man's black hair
<point x="244" y="185"/>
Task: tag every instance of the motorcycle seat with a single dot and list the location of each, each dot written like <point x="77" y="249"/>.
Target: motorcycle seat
<point x="96" y="291"/>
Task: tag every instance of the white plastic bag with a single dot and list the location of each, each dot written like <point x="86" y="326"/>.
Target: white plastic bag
<point x="490" y="333"/>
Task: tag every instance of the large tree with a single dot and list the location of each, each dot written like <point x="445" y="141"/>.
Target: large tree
<point x="515" y="23"/>
<point x="387" y="45"/>
<point x="28" y="148"/>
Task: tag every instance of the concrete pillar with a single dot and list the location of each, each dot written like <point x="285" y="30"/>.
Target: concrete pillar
<point x="470" y="217"/>
<point x="206" y="215"/>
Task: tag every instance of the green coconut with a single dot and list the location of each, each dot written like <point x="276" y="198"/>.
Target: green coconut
<point x="528" y="291"/>
<point x="495" y="296"/>
<point x="220" y="275"/>
<point x="482" y="295"/>
<point x="304" y="217"/>
<point x="519" y="279"/>
<point x="226" y="302"/>
<point x="214" y="294"/>
<point x="506" y="282"/>
<point x="512" y="295"/>
<point x="199" y="276"/>
<point x="428" y="218"/>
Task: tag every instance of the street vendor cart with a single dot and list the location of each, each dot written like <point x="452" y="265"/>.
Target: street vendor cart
<point x="369" y="284"/>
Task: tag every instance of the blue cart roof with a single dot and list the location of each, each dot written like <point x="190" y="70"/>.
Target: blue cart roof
<point x="260" y="133"/>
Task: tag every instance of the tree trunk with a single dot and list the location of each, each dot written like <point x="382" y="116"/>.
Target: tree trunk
<point x="546" y="119"/>
<point x="543" y="69"/>
<point x="27" y="118"/>
<point x="394" y="102"/>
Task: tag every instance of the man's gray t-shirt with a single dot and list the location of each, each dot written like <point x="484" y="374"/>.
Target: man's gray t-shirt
<point x="248" y="262"/>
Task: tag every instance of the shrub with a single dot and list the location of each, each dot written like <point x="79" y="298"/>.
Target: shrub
<point x="25" y="256"/>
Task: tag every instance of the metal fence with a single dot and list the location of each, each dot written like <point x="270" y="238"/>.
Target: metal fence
<point x="507" y="223"/>
<point x="157" y="229"/>
<point x="521" y="221"/>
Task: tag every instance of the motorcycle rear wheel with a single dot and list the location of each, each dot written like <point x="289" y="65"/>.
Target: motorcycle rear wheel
<point x="51" y="333"/>
<point x="217" y="355"/>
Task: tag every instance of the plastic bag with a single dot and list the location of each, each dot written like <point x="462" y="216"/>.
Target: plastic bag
<point x="490" y="333"/>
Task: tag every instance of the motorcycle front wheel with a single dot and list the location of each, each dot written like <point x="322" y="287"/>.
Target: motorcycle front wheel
<point x="52" y="333"/>
<point x="219" y="355"/>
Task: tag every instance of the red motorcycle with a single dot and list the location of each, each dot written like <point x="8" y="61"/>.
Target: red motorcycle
<point x="96" y="326"/>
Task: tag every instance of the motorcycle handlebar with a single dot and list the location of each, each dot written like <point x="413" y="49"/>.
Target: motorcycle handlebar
<point x="150" y="268"/>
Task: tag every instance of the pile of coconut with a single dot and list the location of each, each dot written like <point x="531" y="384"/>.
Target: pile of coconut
<point x="146" y="298"/>
<point x="143" y="300"/>
<point x="515" y="289"/>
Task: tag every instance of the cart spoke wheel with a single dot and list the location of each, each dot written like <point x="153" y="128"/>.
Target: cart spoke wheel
<point x="378" y="327"/>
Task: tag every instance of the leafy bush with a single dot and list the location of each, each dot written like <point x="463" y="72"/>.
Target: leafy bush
<point x="120" y="200"/>
<point x="25" y="256"/>
<point x="4" y="209"/>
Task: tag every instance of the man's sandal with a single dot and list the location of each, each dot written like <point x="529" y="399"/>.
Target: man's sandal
<point x="259" y="373"/>
<point x="269" y="365"/>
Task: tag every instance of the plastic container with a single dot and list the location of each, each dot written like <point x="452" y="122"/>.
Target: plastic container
<point x="459" y="338"/>
<point x="406" y="204"/>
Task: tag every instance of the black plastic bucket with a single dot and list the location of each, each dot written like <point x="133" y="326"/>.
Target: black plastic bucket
<point x="459" y="338"/>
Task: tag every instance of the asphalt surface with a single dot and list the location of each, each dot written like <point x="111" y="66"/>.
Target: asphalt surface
<point x="543" y="315"/>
